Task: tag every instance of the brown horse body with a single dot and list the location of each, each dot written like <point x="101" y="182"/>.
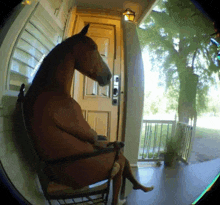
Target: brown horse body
<point x="55" y="119"/>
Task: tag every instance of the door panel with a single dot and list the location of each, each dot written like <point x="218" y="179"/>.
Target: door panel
<point x="99" y="121"/>
<point x="104" y="38"/>
<point x="96" y="101"/>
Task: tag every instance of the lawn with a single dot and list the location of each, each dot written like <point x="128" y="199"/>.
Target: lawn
<point x="207" y="133"/>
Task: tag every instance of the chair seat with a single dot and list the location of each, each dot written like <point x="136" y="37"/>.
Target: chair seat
<point x="61" y="191"/>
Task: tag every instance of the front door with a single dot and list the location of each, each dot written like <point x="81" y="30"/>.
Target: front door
<point x="99" y="107"/>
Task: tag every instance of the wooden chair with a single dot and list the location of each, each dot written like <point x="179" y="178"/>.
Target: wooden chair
<point x="94" y="194"/>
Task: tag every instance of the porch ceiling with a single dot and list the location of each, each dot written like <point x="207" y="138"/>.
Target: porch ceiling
<point x="141" y="7"/>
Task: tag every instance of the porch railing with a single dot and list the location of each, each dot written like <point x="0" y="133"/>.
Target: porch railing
<point x="154" y="135"/>
<point x="188" y="132"/>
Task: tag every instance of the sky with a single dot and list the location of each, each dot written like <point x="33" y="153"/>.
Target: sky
<point x="151" y="77"/>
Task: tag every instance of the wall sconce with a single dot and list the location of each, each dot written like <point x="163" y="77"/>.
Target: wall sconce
<point x="129" y="15"/>
<point x="26" y="2"/>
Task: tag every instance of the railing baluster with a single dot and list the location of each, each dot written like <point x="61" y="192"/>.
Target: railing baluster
<point x="182" y="130"/>
<point x="186" y="142"/>
<point x="183" y="141"/>
<point x="148" y="137"/>
<point x="190" y="141"/>
<point x="161" y="134"/>
<point x="167" y="133"/>
<point x="146" y="133"/>
<point x="189" y="134"/>
<point x="155" y="139"/>
<point x="149" y="141"/>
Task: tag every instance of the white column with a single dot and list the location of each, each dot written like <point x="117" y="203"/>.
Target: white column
<point x="134" y="72"/>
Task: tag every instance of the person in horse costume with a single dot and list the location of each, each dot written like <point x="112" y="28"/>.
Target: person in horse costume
<point x="58" y="127"/>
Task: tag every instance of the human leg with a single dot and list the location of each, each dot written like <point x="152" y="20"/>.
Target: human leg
<point x="129" y="175"/>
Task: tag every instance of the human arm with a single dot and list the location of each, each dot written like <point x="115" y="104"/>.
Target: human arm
<point x="68" y="117"/>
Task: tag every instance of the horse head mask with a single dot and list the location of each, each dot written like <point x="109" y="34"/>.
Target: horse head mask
<point x="89" y="62"/>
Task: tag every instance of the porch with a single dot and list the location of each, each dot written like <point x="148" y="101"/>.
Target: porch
<point x="199" y="144"/>
<point x="180" y="186"/>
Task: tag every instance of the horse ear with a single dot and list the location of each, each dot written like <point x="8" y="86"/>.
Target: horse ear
<point x="84" y="30"/>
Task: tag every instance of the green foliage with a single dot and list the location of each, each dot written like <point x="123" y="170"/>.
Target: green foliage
<point x="150" y="155"/>
<point x="213" y="104"/>
<point x="152" y="103"/>
<point x="172" y="96"/>
<point x="172" y="146"/>
<point x="177" y="36"/>
<point x="202" y="99"/>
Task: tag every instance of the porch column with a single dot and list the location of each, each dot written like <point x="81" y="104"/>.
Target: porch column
<point x="134" y="72"/>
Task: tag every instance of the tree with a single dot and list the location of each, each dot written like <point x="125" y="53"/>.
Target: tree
<point x="177" y="35"/>
<point x="153" y="103"/>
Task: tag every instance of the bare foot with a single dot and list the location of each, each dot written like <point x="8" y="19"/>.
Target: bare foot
<point x="143" y="188"/>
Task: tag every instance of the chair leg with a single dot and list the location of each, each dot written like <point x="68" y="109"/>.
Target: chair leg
<point x="49" y="201"/>
<point x="122" y="194"/>
<point x="89" y="198"/>
<point x="59" y="202"/>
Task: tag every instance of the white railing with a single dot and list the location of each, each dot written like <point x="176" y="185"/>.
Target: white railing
<point x="153" y="138"/>
<point x="187" y="135"/>
<point x="156" y="132"/>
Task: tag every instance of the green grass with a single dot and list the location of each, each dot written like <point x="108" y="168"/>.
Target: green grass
<point x="150" y="155"/>
<point x="207" y="133"/>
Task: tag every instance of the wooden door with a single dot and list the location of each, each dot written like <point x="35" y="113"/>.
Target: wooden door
<point x="96" y="101"/>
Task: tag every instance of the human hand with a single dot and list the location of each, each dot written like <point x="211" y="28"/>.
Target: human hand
<point x="100" y="145"/>
<point x="116" y="144"/>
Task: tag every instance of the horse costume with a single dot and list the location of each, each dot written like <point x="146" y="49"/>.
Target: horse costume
<point x="55" y="119"/>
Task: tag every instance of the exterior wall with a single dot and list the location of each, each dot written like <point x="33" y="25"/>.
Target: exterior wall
<point x="13" y="149"/>
<point x="134" y="92"/>
<point x="19" y="172"/>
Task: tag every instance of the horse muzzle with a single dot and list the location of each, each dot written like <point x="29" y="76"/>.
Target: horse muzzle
<point x="104" y="80"/>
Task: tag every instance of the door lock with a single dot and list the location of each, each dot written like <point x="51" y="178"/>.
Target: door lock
<point x="115" y="96"/>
